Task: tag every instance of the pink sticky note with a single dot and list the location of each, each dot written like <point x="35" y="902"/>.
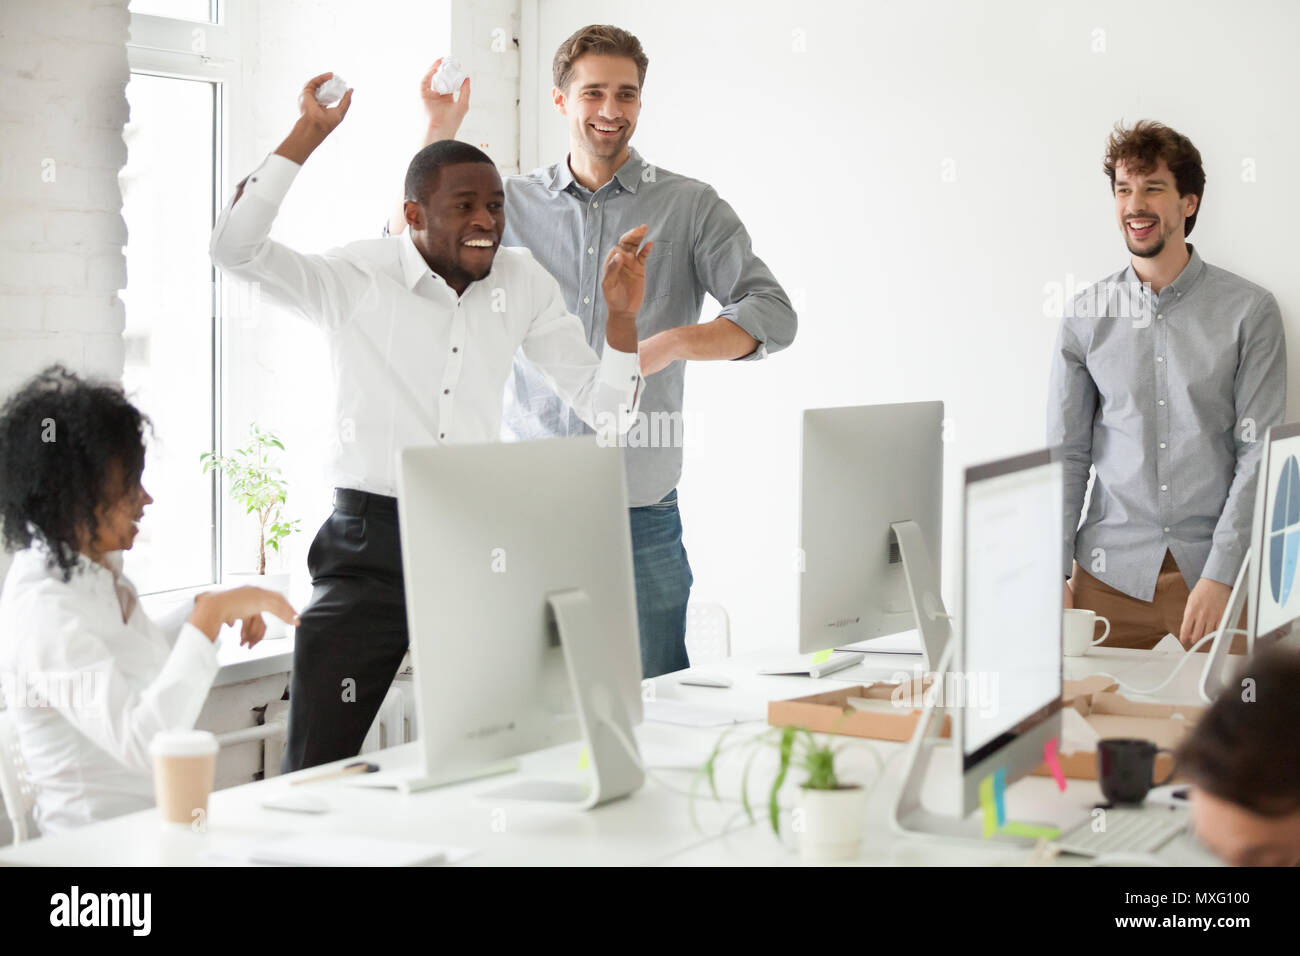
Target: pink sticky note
<point x="1053" y="763"/>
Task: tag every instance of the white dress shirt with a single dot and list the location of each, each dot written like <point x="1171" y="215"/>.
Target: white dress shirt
<point x="87" y="690"/>
<point x="415" y="364"/>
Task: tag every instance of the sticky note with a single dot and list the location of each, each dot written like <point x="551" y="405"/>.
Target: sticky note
<point x="987" y="805"/>
<point x="1012" y="828"/>
<point x="1053" y="763"/>
<point x="1000" y="794"/>
<point x="821" y="657"/>
<point x="582" y="759"/>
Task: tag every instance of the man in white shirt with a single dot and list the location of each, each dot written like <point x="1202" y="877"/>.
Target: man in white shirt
<point x="422" y="330"/>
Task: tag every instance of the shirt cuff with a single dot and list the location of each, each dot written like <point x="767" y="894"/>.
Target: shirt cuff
<point x="271" y="180"/>
<point x="194" y="645"/>
<point x="1222" y="567"/>
<point x="620" y="370"/>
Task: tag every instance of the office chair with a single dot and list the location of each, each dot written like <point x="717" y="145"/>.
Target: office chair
<point x="708" y="633"/>
<point x="17" y="791"/>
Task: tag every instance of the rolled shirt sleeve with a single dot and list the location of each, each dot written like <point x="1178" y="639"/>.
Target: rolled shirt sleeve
<point x="741" y="282"/>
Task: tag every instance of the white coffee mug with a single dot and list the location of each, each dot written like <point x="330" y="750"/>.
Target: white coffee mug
<point x="1080" y="626"/>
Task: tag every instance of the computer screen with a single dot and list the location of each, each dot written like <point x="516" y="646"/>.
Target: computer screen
<point x="1277" y="534"/>
<point x="1011" y="621"/>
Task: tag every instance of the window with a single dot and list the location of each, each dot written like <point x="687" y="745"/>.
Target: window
<point x="180" y="71"/>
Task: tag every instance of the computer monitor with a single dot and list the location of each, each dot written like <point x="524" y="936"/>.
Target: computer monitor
<point x="522" y="611"/>
<point x="1001" y="675"/>
<point x="1010" y="619"/>
<point x="1267" y="581"/>
<point x="871" y="518"/>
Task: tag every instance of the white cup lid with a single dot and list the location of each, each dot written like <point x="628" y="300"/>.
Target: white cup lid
<point x="183" y="743"/>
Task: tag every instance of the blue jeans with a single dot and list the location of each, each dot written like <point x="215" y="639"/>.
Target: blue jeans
<point x="663" y="585"/>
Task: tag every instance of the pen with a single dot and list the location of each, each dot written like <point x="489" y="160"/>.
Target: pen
<point x="360" y="766"/>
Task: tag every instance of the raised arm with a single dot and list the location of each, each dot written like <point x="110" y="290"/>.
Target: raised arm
<point x="443" y="114"/>
<point x="315" y="286"/>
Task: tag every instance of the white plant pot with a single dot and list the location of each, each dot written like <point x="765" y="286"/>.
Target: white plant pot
<point x="831" y="823"/>
<point x="278" y="582"/>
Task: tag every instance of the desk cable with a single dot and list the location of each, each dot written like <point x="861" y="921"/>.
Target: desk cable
<point x="1191" y="652"/>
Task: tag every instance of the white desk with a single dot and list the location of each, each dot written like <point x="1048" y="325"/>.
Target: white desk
<point x="651" y="827"/>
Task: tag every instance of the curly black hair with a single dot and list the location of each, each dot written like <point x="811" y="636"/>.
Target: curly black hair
<point x="63" y="440"/>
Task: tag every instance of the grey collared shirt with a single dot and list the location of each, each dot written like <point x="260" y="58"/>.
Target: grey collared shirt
<point x="1168" y="396"/>
<point x="700" y="245"/>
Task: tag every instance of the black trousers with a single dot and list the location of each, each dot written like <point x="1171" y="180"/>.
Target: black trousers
<point x="352" y="635"/>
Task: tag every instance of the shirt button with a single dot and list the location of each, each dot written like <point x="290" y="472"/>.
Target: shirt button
<point x="1160" y="315"/>
<point x="595" y="205"/>
<point x="446" y="391"/>
<point x="1166" y="530"/>
<point x="1163" y="445"/>
<point x="455" y="348"/>
<point x="442" y="434"/>
<point x="1164" y="487"/>
<point x="1161" y="402"/>
<point x="1160" y="358"/>
<point x="590" y="250"/>
<point x="586" y="299"/>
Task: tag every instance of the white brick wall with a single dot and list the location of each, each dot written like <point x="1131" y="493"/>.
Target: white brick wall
<point x="484" y="36"/>
<point x="63" y="73"/>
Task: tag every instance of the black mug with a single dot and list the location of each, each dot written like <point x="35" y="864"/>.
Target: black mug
<point x="1125" y="767"/>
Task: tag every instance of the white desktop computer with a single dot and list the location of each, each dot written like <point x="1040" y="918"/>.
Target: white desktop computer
<point x="1267" y="583"/>
<point x="870" y="522"/>
<point x="1004" y="661"/>
<point x="522" y="613"/>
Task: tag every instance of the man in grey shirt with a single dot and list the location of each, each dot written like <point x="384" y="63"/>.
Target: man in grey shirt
<point x="568" y="215"/>
<point x="1164" y="379"/>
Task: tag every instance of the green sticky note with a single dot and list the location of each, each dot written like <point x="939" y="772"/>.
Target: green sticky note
<point x="989" y="807"/>
<point x="1012" y="828"/>
<point x="821" y="657"/>
<point x="582" y="759"/>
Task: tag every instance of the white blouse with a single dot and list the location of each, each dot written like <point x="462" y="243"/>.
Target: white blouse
<point x="88" y="679"/>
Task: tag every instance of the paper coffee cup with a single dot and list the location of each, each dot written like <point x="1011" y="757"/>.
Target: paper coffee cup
<point x="184" y="768"/>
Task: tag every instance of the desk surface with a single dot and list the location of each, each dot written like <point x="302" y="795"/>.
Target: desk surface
<point x="653" y="826"/>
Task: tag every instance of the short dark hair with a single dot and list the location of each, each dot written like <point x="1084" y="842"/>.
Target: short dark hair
<point x="1141" y="149"/>
<point x="601" y="39"/>
<point x="1243" y="748"/>
<point x="421" y="174"/>
<point x="65" y="444"/>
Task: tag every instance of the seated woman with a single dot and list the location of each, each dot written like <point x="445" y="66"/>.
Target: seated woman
<point x="89" y="678"/>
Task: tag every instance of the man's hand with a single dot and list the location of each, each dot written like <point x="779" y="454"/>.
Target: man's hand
<point x="443" y="111"/>
<point x="623" y="284"/>
<point x="246" y="604"/>
<point x="1069" y="596"/>
<point x="1205" y="607"/>
<point x="315" y="122"/>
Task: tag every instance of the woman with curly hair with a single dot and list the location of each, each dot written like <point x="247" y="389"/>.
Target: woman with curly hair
<point x="88" y="677"/>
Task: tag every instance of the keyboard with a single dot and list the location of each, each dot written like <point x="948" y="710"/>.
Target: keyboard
<point x="1128" y="830"/>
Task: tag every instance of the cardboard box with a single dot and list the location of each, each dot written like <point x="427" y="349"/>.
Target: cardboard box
<point x="1110" y="714"/>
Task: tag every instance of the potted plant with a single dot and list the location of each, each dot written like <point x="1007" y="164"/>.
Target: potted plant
<point x="830" y="815"/>
<point x="254" y="481"/>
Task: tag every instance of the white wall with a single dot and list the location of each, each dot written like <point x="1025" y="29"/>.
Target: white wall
<point x="830" y="128"/>
<point x="62" y="107"/>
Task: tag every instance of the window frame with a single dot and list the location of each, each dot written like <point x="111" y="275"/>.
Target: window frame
<point x="204" y="52"/>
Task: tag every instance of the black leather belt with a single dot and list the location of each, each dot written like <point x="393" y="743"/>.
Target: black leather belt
<point x="353" y="502"/>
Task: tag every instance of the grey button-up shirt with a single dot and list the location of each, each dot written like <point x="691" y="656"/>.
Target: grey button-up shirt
<point x="1168" y="396"/>
<point x="700" y="245"/>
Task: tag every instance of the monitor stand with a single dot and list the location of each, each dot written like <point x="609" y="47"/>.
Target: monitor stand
<point x="932" y="620"/>
<point x="909" y="814"/>
<point x="1214" y="678"/>
<point x="612" y="755"/>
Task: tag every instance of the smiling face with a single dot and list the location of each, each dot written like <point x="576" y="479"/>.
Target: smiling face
<point x="119" y="517"/>
<point x="459" y="226"/>
<point x="1149" y="210"/>
<point x="1240" y="837"/>
<point x="602" y="102"/>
